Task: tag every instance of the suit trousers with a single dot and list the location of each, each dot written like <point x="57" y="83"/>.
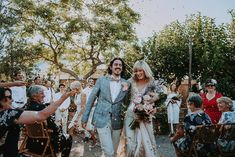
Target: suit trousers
<point x="109" y="139"/>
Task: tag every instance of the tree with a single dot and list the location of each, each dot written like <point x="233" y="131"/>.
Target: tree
<point x="78" y="33"/>
<point x="13" y="49"/>
<point x="212" y="51"/>
<point x="167" y="52"/>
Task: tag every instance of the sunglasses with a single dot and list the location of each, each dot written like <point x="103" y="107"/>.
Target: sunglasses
<point x="209" y="85"/>
<point x="9" y="97"/>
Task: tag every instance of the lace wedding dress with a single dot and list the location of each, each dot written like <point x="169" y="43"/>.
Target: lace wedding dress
<point x="140" y="142"/>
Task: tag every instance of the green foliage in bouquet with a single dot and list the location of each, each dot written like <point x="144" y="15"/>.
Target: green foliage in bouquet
<point x="161" y="100"/>
<point x="140" y="116"/>
<point x="143" y="116"/>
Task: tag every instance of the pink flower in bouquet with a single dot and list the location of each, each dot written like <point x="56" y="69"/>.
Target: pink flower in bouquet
<point x="146" y="98"/>
<point x="148" y="107"/>
<point x="139" y="107"/>
<point x="145" y="107"/>
<point x="137" y="99"/>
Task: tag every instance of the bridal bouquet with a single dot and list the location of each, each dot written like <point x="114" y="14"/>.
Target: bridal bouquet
<point x="145" y="104"/>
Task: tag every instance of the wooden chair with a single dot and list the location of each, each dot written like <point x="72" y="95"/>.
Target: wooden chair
<point x="205" y="135"/>
<point x="188" y="153"/>
<point x="40" y="132"/>
<point x="226" y="131"/>
<point x="180" y="153"/>
<point x="202" y="135"/>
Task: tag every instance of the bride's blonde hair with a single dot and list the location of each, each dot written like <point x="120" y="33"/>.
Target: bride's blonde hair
<point x="141" y="64"/>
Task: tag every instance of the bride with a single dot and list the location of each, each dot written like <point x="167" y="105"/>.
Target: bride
<point x="140" y="140"/>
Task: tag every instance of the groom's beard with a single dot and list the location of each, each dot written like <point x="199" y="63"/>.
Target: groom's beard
<point x="117" y="73"/>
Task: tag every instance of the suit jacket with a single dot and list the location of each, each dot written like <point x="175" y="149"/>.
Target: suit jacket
<point x="105" y="110"/>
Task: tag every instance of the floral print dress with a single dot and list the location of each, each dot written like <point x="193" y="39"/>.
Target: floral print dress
<point x="190" y="122"/>
<point x="226" y="142"/>
<point x="9" y="132"/>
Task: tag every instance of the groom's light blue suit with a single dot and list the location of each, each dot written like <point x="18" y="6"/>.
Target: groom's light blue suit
<point x="105" y="108"/>
<point x="107" y="117"/>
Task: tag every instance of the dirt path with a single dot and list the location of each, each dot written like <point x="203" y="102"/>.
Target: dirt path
<point x="81" y="149"/>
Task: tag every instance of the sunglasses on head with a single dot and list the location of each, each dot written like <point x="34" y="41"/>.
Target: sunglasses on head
<point x="9" y="97"/>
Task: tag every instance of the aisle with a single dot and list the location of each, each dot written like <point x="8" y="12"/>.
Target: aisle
<point x="165" y="147"/>
<point x="81" y="149"/>
<point x="84" y="149"/>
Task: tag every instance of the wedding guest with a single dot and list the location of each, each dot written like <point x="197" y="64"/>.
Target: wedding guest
<point x="18" y="92"/>
<point x="11" y="118"/>
<point x="183" y="136"/>
<point x="173" y="103"/>
<point x="62" y="113"/>
<point x="61" y="142"/>
<point x="209" y="100"/>
<point x="90" y="133"/>
<point x="225" y="105"/>
<point x="195" y="88"/>
<point x="80" y="101"/>
<point x="48" y="92"/>
<point x="37" y="80"/>
<point x="11" y="84"/>
<point x="29" y="83"/>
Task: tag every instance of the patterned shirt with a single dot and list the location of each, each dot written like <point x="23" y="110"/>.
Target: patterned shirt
<point x="9" y="132"/>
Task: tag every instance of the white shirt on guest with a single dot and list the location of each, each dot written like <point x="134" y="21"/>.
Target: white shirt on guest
<point x="115" y="87"/>
<point x="87" y="91"/>
<point x="65" y="104"/>
<point x="19" y="96"/>
<point x="49" y="95"/>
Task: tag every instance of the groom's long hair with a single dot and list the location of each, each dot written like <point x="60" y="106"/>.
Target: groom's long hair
<point x="123" y="66"/>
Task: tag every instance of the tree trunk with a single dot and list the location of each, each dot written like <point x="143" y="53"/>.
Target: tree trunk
<point x="92" y="71"/>
<point x="72" y="73"/>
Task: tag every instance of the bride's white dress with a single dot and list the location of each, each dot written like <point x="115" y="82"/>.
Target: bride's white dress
<point x="140" y="142"/>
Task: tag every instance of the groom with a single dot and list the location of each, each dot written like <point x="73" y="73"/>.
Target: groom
<point x="110" y="91"/>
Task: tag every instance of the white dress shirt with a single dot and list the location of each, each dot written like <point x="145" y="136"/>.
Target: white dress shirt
<point x="49" y="95"/>
<point x="19" y="96"/>
<point x="65" y="104"/>
<point x="115" y="87"/>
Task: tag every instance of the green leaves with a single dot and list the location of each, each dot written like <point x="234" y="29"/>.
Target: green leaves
<point x="212" y="49"/>
<point x="81" y="33"/>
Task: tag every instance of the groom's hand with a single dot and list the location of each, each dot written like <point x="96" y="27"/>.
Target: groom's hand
<point x="84" y="125"/>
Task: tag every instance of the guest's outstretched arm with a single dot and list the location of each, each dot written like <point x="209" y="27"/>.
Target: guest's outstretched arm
<point x="11" y="84"/>
<point x="29" y="117"/>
